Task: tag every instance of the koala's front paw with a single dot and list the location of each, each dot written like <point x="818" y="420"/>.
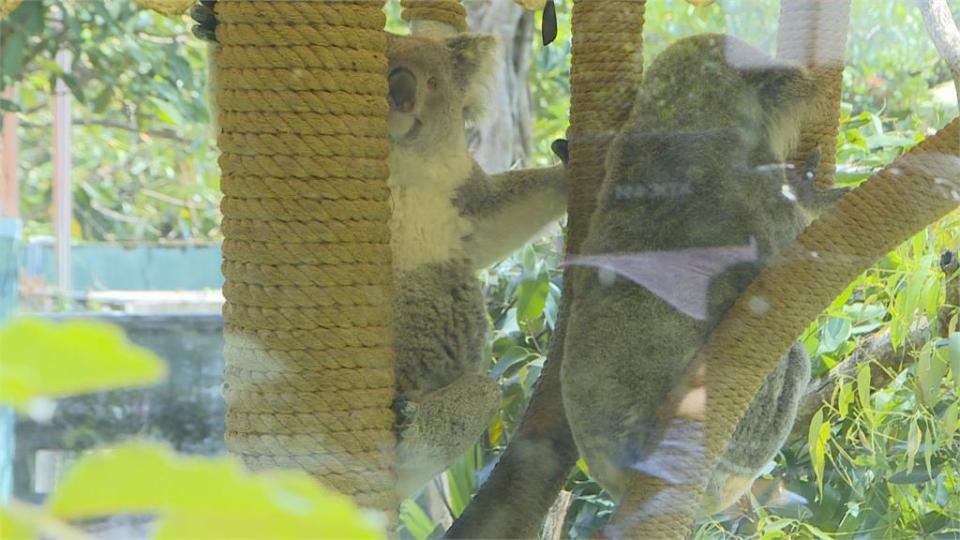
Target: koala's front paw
<point x="206" y="19"/>
<point x="406" y="412"/>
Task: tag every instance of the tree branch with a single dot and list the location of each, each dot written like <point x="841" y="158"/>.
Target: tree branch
<point x="879" y="348"/>
<point x="945" y="35"/>
<point x="158" y="133"/>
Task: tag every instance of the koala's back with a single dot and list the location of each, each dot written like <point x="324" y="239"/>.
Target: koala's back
<point x="694" y="170"/>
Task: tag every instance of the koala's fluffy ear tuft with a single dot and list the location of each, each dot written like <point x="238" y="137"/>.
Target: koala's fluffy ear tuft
<point x="787" y="93"/>
<point x="474" y="70"/>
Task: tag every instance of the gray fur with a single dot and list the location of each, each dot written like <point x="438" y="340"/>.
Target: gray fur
<point x="506" y="209"/>
<point x="441" y="326"/>
<point x="445" y="402"/>
<point x="699" y="165"/>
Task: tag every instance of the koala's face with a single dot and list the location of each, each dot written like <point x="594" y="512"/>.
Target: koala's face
<point x="434" y="86"/>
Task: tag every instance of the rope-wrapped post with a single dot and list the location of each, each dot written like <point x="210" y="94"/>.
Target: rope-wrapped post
<point x="917" y="189"/>
<point x="605" y="71"/>
<point x="309" y="377"/>
<point x="434" y="18"/>
<point x="8" y="6"/>
<point x="813" y="34"/>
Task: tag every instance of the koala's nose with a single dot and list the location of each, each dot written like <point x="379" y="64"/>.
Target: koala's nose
<point x="403" y="90"/>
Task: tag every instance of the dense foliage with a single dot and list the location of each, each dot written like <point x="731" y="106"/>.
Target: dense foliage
<point x="144" y="160"/>
<point x="879" y="460"/>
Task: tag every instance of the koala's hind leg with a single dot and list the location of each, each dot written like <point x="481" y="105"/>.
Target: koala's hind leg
<point x="444" y="424"/>
<point x="761" y="432"/>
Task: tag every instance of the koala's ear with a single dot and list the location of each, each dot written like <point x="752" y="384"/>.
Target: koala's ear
<point x="474" y="70"/>
<point x="788" y="95"/>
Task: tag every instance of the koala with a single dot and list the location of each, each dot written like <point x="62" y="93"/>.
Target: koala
<point x="449" y="219"/>
<point x="696" y="200"/>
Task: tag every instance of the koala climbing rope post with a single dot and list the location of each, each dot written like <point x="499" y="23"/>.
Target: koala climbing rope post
<point x="914" y="191"/>
<point x="309" y="378"/>
<point x="813" y="33"/>
<point x="606" y="68"/>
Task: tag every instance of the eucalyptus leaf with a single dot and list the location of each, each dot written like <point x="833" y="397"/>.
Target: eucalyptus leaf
<point x="532" y="297"/>
<point x="953" y="346"/>
<point x="833" y="334"/>
<point x="197" y="497"/>
<point x="47" y="360"/>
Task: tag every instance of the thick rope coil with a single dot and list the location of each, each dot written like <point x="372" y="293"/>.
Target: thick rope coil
<point x="813" y="33"/>
<point x="606" y="70"/>
<point x="450" y="12"/>
<point x="919" y="188"/>
<point x="7" y="7"/>
<point x="170" y="8"/>
<point x="309" y="380"/>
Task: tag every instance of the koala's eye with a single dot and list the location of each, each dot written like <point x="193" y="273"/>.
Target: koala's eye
<point x="403" y="90"/>
<point x="432" y="83"/>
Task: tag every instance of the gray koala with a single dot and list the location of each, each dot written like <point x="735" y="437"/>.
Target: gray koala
<point x="695" y="202"/>
<point x="449" y="220"/>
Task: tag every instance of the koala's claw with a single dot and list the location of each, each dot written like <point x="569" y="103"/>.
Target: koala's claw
<point x="561" y="148"/>
<point x="949" y="262"/>
<point x="206" y="19"/>
<point x="406" y="412"/>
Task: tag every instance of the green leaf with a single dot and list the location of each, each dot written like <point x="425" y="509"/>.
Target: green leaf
<point x="532" y="297"/>
<point x="833" y="334"/>
<point x="817" y="533"/>
<point x="950" y="417"/>
<point x="953" y="346"/>
<point x="914" y="437"/>
<point x="461" y="479"/>
<point x="7" y="105"/>
<point x="817" y="438"/>
<point x="863" y="392"/>
<point x="844" y="399"/>
<point x="930" y="297"/>
<point x="167" y="112"/>
<point x="42" y="359"/>
<point x="514" y="355"/>
<point x="13" y="527"/>
<point x="205" y="498"/>
<point x="931" y="369"/>
<point x="907" y="300"/>
<point x="12" y="54"/>
<point x="416" y="521"/>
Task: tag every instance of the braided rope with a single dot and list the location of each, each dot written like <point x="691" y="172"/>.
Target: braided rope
<point x="606" y="69"/>
<point x="170" y="8"/>
<point x="917" y="189"/>
<point x="309" y="347"/>
<point x="450" y="12"/>
<point x="813" y="33"/>
<point x="7" y="7"/>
